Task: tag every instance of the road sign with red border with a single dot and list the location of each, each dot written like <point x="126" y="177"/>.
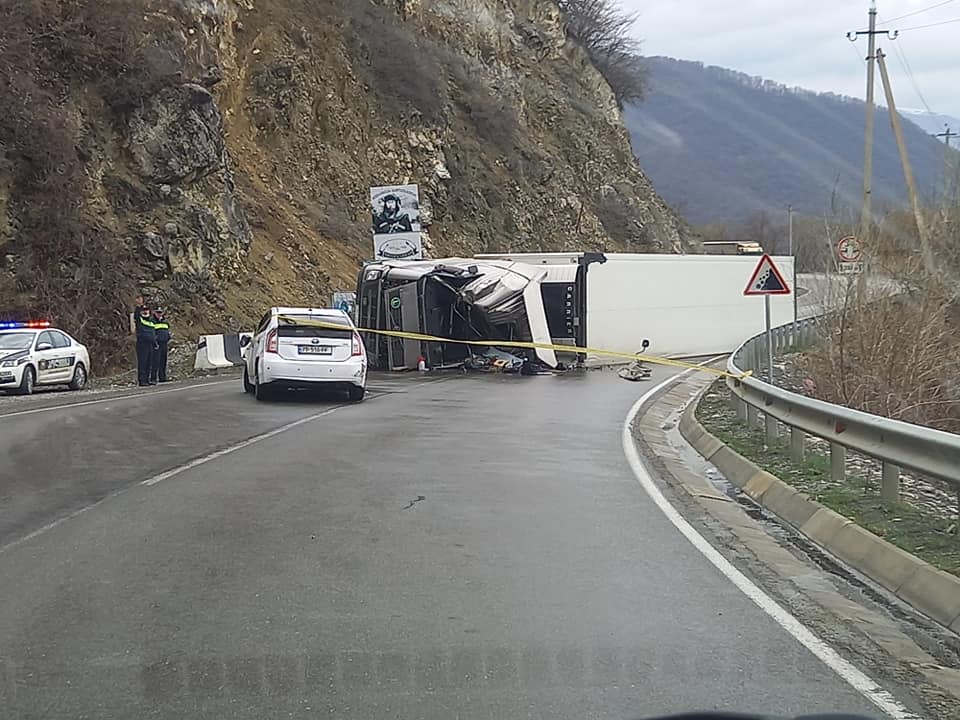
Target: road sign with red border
<point x="767" y="279"/>
<point x="849" y="249"/>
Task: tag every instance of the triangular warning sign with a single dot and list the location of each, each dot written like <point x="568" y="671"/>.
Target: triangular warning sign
<point x="767" y="280"/>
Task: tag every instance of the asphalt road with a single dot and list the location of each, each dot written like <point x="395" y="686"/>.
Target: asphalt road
<point x="466" y="548"/>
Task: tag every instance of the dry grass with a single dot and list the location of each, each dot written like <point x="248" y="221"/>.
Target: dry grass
<point x="891" y="357"/>
<point x="897" y="355"/>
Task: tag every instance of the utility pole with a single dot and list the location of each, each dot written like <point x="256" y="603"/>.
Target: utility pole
<point x="928" y="261"/>
<point x="946" y="135"/>
<point x="948" y="174"/>
<point x="794" y="256"/>
<point x="865" y="210"/>
<point x="790" y="228"/>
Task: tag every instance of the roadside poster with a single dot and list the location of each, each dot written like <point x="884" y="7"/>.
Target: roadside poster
<point x="395" y="221"/>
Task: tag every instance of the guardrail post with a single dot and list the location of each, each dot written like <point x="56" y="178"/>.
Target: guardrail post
<point x="838" y="462"/>
<point x="797" y="441"/>
<point x="752" y="416"/>
<point x="756" y="358"/>
<point x="890" y="484"/>
<point x="772" y="427"/>
<point x="739" y="406"/>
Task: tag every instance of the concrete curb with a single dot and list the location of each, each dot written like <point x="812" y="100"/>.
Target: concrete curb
<point x="930" y="591"/>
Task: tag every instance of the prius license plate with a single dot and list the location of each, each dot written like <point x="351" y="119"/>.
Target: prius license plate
<point x="316" y="350"/>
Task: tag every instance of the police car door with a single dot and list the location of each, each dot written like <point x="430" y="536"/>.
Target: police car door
<point x="65" y="357"/>
<point x="46" y="353"/>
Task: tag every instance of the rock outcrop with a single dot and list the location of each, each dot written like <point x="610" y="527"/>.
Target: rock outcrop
<point x="241" y="176"/>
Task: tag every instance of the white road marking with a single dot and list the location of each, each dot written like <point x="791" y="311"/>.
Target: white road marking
<point x="847" y="671"/>
<point x="171" y="473"/>
<point x="50" y="526"/>
<point x="115" y="398"/>
<point x="233" y="448"/>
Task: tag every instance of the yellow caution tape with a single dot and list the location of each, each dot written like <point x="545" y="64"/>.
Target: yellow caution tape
<point x="519" y="344"/>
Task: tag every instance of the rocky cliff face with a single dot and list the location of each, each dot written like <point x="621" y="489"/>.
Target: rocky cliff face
<point x="236" y="171"/>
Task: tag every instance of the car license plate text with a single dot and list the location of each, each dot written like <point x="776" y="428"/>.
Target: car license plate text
<point x="316" y="350"/>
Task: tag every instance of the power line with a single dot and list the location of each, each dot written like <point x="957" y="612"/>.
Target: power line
<point x="917" y="12"/>
<point x="936" y="24"/>
<point x="902" y="57"/>
<point x="857" y="53"/>
<point x="901" y="54"/>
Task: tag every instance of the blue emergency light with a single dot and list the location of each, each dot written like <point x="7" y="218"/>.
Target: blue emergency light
<point x="32" y="325"/>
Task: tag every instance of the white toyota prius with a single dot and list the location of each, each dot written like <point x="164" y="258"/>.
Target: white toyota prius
<point x="34" y="353"/>
<point x="304" y="347"/>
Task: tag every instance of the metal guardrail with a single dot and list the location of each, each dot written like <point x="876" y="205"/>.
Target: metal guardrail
<point x="898" y="445"/>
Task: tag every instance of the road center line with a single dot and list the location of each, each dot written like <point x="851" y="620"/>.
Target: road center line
<point x="166" y="475"/>
<point x="847" y="671"/>
<point x="233" y="448"/>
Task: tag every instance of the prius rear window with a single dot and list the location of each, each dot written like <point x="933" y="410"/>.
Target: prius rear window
<point x="308" y="331"/>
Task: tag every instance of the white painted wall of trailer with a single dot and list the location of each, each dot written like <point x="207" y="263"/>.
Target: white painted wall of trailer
<point x="686" y="305"/>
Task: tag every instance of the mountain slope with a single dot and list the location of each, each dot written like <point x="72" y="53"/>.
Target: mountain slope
<point x="932" y="123"/>
<point x="217" y="154"/>
<point x="721" y="145"/>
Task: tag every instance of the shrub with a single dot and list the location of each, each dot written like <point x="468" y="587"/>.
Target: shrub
<point x="69" y="267"/>
<point x="604" y="32"/>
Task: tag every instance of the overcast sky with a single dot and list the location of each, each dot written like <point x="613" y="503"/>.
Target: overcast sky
<point x="804" y="43"/>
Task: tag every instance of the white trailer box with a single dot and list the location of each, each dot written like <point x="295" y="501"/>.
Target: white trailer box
<point x="686" y="305"/>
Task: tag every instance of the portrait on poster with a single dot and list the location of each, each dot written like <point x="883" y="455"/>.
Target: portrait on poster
<point x="395" y="209"/>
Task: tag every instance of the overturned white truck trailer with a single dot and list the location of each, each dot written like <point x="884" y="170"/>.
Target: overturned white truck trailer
<point x="686" y="305"/>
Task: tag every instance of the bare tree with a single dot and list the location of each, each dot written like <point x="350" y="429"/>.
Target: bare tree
<point x="603" y="29"/>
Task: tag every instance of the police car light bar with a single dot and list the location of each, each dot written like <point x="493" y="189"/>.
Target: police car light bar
<point x="33" y="325"/>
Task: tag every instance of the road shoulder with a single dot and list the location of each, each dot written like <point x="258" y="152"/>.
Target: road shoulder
<point x="908" y="653"/>
<point x="13" y="405"/>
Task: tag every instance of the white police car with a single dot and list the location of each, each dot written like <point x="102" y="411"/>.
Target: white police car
<point x="34" y="354"/>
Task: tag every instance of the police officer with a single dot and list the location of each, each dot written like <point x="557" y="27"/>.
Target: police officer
<point x="146" y="342"/>
<point x="158" y="367"/>
<point x="138" y="303"/>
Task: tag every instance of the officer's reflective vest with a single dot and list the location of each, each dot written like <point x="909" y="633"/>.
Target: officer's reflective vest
<point x="163" y="330"/>
<point x="146" y="329"/>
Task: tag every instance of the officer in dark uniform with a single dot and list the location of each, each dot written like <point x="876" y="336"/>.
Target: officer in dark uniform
<point x="146" y="342"/>
<point x="138" y="303"/>
<point x="158" y="367"/>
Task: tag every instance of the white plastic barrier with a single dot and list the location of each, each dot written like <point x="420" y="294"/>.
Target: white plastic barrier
<point x="219" y="351"/>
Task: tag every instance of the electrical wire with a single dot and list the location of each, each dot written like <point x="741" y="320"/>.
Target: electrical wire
<point x="901" y="54"/>
<point x="917" y="12"/>
<point x="905" y="64"/>
<point x="936" y="24"/>
<point x="856" y="52"/>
